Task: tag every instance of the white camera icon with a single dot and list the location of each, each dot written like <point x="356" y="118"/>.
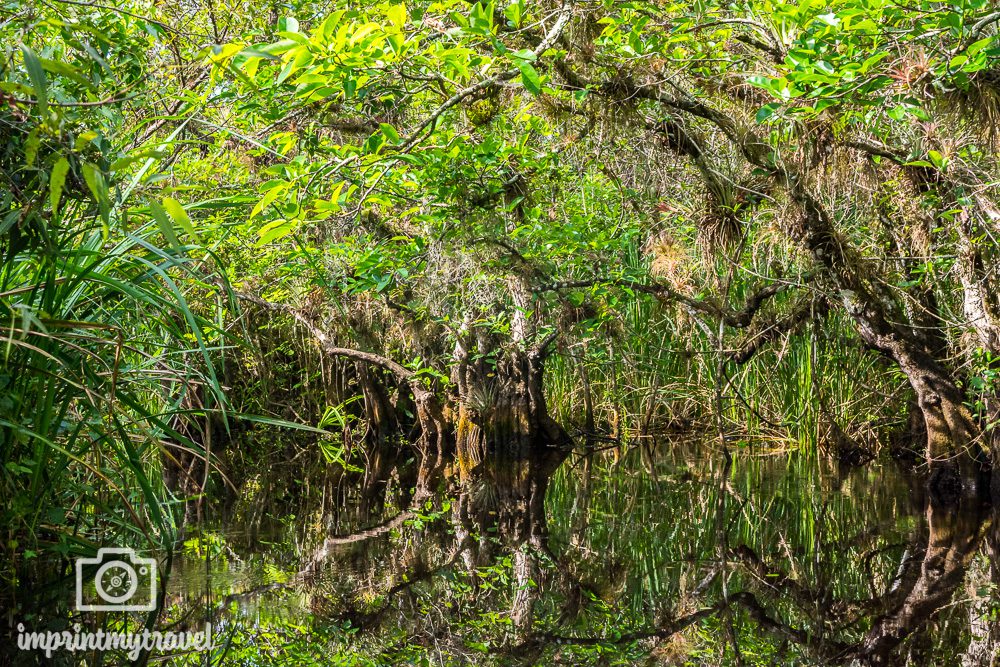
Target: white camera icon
<point x="122" y="581"/>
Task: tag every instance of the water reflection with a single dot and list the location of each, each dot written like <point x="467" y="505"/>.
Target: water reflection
<point x="672" y="560"/>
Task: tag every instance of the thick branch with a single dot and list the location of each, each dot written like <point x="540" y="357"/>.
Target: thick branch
<point x="789" y="324"/>
<point x="739" y="319"/>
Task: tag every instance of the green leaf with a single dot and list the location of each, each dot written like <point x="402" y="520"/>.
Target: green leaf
<point x="761" y="82"/>
<point x="350" y="87"/>
<point x="939" y="161"/>
<point x="98" y="187"/>
<point x="31" y="145"/>
<point x="266" y="200"/>
<point x="390" y="133"/>
<point x="63" y="69"/>
<point x="84" y="139"/>
<point x="515" y="12"/>
<point x="767" y="111"/>
<point x="397" y="15"/>
<point x="279" y="47"/>
<point x="180" y="216"/>
<point x="274" y="231"/>
<point x="830" y="19"/>
<point x="56" y="181"/>
<point x="163" y="222"/>
<point x="38" y="81"/>
<point x="329" y="27"/>
<point x="529" y="77"/>
<point x="976" y="47"/>
<point x="286" y="71"/>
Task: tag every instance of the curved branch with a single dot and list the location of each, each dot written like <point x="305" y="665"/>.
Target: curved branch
<point x="401" y="372"/>
<point x="739" y="319"/>
<point x="542" y="349"/>
<point x="745" y="599"/>
<point x="791" y="323"/>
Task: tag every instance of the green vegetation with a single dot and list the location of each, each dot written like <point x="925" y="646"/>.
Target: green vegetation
<point x="481" y="290"/>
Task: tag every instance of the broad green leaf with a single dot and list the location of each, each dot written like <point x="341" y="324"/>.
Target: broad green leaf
<point x="515" y="12"/>
<point x="767" y="111"/>
<point x="764" y="82"/>
<point x="56" y="181"/>
<point x="273" y="231"/>
<point x="279" y="47"/>
<point x="266" y="200"/>
<point x="38" y="81"/>
<point x="390" y="133"/>
<point x="529" y="77"/>
<point x="84" y="139"/>
<point x="397" y="15"/>
<point x="180" y="216"/>
<point x="329" y="27"/>
<point x="938" y="160"/>
<point x="976" y="47"/>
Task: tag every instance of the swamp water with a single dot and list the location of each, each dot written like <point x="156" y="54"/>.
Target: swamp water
<point x="666" y="557"/>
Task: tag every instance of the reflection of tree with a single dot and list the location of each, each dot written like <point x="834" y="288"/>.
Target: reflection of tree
<point x="953" y="537"/>
<point x="984" y="626"/>
<point x="931" y="569"/>
<point x="480" y="570"/>
<point x="506" y="457"/>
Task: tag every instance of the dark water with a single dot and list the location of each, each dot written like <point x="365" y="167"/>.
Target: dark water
<point x="662" y="557"/>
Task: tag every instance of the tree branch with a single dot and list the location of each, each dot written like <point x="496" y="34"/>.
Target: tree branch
<point x="739" y="319"/>
<point x="565" y="12"/>
<point x="789" y="324"/>
<point x="404" y="374"/>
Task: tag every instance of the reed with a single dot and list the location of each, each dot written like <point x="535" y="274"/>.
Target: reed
<point x="101" y="349"/>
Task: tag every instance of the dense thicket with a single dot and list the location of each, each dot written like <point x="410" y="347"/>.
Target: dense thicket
<point x="448" y="243"/>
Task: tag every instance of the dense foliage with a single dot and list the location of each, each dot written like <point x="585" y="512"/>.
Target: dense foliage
<point x="426" y="248"/>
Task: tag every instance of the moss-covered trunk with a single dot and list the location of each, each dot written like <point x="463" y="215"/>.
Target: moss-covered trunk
<point x="505" y="441"/>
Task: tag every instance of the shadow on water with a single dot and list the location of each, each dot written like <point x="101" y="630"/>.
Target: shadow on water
<point x="674" y="559"/>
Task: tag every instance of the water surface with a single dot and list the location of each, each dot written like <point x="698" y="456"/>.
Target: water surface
<point x="660" y="555"/>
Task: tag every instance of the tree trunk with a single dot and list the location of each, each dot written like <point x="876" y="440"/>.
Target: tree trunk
<point x="951" y="432"/>
<point x="506" y="440"/>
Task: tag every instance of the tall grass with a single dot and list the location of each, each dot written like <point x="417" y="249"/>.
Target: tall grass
<point x="100" y="347"/>
<point x="661" y="369"/>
